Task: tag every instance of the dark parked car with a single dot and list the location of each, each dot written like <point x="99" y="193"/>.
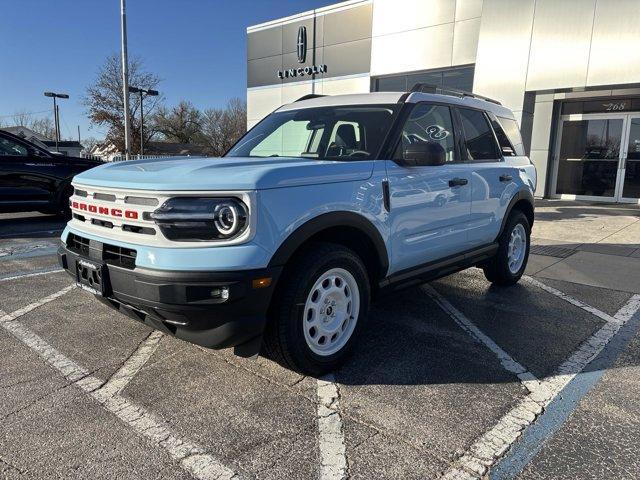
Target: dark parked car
<point x="32" y="178"/>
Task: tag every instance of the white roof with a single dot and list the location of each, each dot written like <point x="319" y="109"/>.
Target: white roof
<point x="375" y="98"/>
<point x="352" y="99"/>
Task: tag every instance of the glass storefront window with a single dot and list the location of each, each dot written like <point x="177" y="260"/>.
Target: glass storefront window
<point x="459" y="78"/>
<point x="392" y="84"/>
<point x="631" y="183"/>
<point x="589" y="154"/>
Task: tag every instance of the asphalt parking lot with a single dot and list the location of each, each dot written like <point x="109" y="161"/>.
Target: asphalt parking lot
<point x="453" y="379"/>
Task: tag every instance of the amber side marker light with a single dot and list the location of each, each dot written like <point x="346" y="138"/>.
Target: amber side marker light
<point x="261" y="282"/>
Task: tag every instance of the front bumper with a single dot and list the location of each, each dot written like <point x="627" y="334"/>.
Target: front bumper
<point x="179" y="303"/>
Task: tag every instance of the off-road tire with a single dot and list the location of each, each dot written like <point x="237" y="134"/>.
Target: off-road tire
<point x="497" y="269"/>
<point x="284" y="339"/>
<point x="63" y="209"/>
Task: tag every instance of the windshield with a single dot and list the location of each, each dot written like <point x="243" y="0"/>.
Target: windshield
<point x="352" y="132"/>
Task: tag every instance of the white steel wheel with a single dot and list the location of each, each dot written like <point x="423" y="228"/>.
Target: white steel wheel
<point x="331" y="312"/>
<point x="517" y="248"/>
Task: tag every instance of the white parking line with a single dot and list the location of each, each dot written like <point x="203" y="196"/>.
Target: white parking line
<point x="33" y="274"/>
<point x="333" y="460"/>
<point x="26" y="309"/>
<point x="189" y="455"/>
<point x="527" y="378"/>
<point x="490" y="446"/>
<point x="568" y="298"/>
<point x="132" y="365"/>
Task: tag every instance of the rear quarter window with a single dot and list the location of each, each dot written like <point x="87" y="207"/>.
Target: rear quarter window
<point x="512" y="131"/>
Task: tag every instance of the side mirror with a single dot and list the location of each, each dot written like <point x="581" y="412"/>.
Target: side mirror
<point x="34" y="152"/>
<point x="424" y="154"/>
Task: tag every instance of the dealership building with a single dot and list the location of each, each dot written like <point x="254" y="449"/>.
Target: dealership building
<point x="569" y="70"/>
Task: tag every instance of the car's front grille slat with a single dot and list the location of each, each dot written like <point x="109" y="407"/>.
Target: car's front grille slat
<point x="111" y="254"/>
<point x="120" y="256"/>
<point x="106" y="197"/>
<point x="78" y="244"/>
<point x="148" y="201"/>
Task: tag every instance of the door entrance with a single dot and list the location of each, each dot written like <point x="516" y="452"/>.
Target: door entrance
<point x="598" y="157"/>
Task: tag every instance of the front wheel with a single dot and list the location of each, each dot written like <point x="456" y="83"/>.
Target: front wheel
<point x="320" y="308"/>
<point x="63" y="209"/>
<point x="510" y="262"/>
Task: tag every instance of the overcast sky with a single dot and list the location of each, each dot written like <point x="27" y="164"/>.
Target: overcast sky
<point x="197" y="47"/>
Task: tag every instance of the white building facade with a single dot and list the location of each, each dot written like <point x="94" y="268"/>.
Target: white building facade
<point x="569" y="69"/>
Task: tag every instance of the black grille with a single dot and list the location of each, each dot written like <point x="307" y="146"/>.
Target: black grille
<point x="119" y="256"/>
<point x="77" y="244"/>
<point x="138" y="229"/>
<point x="102" y="223"/>
<point x="111" y="254"/>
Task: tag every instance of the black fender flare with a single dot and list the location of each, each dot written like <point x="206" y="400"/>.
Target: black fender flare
<point x="331" y="220"/>
<point x="523" y="194"/>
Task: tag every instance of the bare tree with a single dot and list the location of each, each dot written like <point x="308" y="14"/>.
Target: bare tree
<point x="22" y="118"/>
<point x="44" y="126"/>
<point x="88" y="144"/>
<point x="221" y="128"/>
<point x="181" y="123"/>
<point x="105" y="105"/>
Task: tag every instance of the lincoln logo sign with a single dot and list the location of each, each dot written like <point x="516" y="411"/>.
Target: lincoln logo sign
<point x="301" y="51"/>
<point x="301" y="45"/>
<point x="111" y="212"/>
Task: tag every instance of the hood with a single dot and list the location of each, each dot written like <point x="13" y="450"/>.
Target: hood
<point x="228" y="173"/>
<point x="82" y="162"/>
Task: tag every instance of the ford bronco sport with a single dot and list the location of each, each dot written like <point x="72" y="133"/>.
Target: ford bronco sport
<point x="281" y="244"/>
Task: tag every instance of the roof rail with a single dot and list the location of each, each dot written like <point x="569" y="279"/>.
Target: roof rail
<point x="429" y="88"/>
<point x="308" y="96"/>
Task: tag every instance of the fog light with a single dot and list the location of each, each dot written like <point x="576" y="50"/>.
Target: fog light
<point x="220" y="292"/>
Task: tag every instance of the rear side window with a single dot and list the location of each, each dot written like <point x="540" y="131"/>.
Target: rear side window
<point x="505" y="144"/>
<point x="479" y="139"/>
<point x="513" y="134"/>
<point x="429" y="123"/>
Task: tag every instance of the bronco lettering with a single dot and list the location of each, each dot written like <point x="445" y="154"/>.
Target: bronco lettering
<point x="113" y="212"/>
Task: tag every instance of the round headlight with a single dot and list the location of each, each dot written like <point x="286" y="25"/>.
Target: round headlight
<point x="227" y="218"/>
<point x="195" y="219"/>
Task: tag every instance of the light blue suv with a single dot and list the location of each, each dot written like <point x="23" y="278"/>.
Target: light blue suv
<point x="281" y="245"/>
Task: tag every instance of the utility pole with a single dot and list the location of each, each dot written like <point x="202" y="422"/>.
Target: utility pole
<point x="56" y="113"/>
<point x="57" y="123"/>
<point x="142" y="127"/>
<point x="79" y="134"/>
<point x="125" y="80"/>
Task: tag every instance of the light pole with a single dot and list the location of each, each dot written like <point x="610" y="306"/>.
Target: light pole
<point x="55" y="112"/>
<point x="125" y="79"/>
<point x="148" y="93"/>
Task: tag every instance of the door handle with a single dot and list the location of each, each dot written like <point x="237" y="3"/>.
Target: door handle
<point x="505" y="177"/>
<point x="458" y="182"/>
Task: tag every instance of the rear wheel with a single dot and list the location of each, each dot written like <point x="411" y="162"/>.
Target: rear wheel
<point x="510" y="262"/>
<point x="320" y="308"/>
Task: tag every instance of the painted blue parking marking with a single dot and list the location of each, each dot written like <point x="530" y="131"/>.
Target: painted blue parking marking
<point x="558" y="411"/>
